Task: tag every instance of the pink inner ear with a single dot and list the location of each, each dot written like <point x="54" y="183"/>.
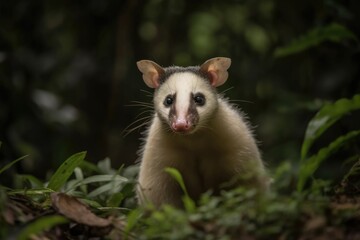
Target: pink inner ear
<point x="155" y="79"/>
<point x="214" y="78"/>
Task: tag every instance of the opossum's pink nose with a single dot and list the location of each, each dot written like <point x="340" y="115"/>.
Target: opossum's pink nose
<point x="181" y="125"/>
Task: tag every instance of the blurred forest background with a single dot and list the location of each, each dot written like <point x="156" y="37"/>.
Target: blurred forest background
<point x="68" y="70"/>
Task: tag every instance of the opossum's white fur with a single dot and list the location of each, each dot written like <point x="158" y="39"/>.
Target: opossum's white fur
<point x="220" y="149"/>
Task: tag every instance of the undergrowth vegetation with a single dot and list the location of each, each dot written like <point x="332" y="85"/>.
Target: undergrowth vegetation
<point x="82" y="200"/>
<point x="68" y="70"/>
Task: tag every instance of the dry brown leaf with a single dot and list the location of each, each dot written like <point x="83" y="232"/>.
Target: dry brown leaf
<point x="77" y="211"/>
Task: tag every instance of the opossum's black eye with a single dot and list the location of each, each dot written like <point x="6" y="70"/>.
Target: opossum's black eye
<point x="169" y="100"/>
<point x="199" y="99"/>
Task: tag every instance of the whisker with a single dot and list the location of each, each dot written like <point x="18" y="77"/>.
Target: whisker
<point x="239" y="100"/>
<point x="149" y="94"/>
<point x="140" y="104"/>
<point x="145" y="111"/>
<point x="141" y="120"/>
<point x="138" y="120"/>
<point x="130" y="129"/>
<point x="226" y="90"/>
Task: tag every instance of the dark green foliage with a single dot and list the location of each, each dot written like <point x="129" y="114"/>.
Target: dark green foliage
<point x="41" y="225"/>
<point x="333" y="32"/>
<point x="68" y="69"/>
<point x="7" y="166"/>
<point x="68" y="73"/>
<point x="323" y="120"/>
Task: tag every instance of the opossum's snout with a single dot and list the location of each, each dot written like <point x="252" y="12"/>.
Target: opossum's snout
<point x="181" y="125"/>
<point x="184" y="124"/>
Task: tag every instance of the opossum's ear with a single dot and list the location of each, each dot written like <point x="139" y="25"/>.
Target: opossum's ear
<point x="151" y="72"/>
<point x="216" y="69"/>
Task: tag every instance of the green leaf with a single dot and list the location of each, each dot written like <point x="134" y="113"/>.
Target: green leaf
<point x="63" y="173"/>
<point x="115" y="183"/>
<point x="325" y="118"/>
<point x="309" y="166"/>
<point x="354" y="170"/>
<point x="333" y="32"/>
<point x="115" y="199"/>
<point x="188" y="202"/>
<point x="7" y="166"/>
<point x="174" y="173"/>
<point x="41" y="225"/>
<point x="100" y="178"/>
<point x="90" y="167"/>
<point x="79" y="175"/>
<point x="91" y="203"/>
<point x="35" y="191"/>
<point x="35" y="182"/>
<point x="105" y="166"/>
<point x="110" y="188"/>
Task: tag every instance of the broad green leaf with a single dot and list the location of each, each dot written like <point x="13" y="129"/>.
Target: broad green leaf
<point x="7" y="166"/>
<point x="40" y="225"/>
<point x="188" y="202"/>
<point x="333" y="32"/>
<point x="309" y="166"/>
<point x="63" y="173"/>
<point x="325" y="118"/>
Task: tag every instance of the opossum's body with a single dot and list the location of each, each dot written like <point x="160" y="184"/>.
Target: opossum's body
<point x="197" y="132"/>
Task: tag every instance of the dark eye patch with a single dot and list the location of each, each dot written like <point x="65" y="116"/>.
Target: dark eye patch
<point x="169" y="100"/>
<point x="199" y="99"/>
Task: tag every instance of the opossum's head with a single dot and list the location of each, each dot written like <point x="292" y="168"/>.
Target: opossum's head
<point x="185" y="98"/>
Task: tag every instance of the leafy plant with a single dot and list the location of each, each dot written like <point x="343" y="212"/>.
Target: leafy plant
<point x="9" y="165"/>
<point x="239" y="212"/>
<point x="104" y="192"/>
<point x="65" y="170"/>
<point x="333" y="32"/>
<point x="41" y="225"/>
<point x="102" y="199"/>
<point x="325" y="118"/>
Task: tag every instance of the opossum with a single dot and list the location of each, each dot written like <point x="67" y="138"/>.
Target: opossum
<point x="197" y="131"/>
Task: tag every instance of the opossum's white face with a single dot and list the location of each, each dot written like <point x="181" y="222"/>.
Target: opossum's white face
<point x="185" y="101"/>
<point x="185" y="98"/>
